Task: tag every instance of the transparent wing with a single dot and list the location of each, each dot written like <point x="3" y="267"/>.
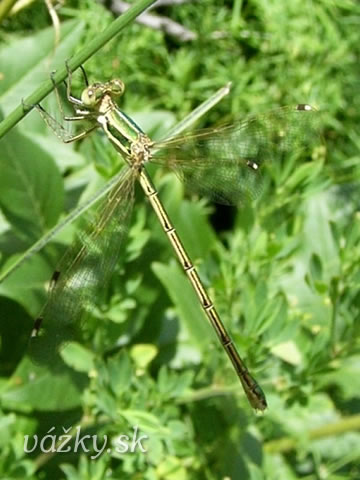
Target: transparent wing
<point x="83" y="270"/>
<point x="226" y="163"/>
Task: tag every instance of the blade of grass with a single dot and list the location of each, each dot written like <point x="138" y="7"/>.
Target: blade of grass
<point x="198" y="112"/>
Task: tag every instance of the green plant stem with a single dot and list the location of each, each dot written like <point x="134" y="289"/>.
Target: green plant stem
<point x="198" y="112"/>
<point x="16" y="115"/>
<point x="285" y="444"/>
<point x="207" y="392"/>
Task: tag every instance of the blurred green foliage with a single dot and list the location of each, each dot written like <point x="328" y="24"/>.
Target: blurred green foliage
<point x="283" y="272"/>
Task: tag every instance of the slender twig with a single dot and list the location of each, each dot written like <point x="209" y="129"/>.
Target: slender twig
<point x="156" y="22"/>
<point x="5" y="7"/>
<point x="344" y="425"/>
<point x="170" y="3"/>
<point x="56" y="23"/>
<point x="208" y="392"/>
<point x="20" y="5"/>
<point x="199" y="111"/>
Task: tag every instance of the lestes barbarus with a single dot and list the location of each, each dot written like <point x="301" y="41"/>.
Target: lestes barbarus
<point x="223" y="163"/>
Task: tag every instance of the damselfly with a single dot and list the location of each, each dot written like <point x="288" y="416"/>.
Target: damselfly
<point x="223" y="163"/>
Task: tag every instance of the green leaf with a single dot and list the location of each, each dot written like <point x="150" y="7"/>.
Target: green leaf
<point x="189" y="219"/>
<point x="145" y="421"/>
<point x="118" y="311"/>
<point x="346" y="377"/>
<point x="25" y="284"/>
<point x="24" y="72"/>
<point x="303" y="175"/>
<point x="78" y="357"/>
<point x="143" y="354"/>
<point x="120" y="372"/>
<point x="31" y="188"/>
<point x="106" y="402"/>
<point x="35" y="387"/>
<point x="172" y="469"/>
<point x="314" y="277"/>
<point x="172" y="385"/>
<point x="289" y="352"/>
<point x="185" y="301"/>
<point x="316" y="267"/>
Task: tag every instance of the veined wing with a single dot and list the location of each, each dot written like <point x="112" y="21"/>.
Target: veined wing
<point x="225" y="163"/>
<point x="85" y="267"/>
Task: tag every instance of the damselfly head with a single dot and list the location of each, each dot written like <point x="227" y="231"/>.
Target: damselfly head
<point x="116" y="87"/>
<point x="94" y="93"/>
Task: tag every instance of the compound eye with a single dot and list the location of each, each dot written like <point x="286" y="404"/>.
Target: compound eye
<point x="92" y="95"/>
<point x="88" y="97"/>
<point x="117" y="86"/>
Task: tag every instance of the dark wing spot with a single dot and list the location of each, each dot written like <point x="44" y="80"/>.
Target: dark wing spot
<point x="303" y="106"/>
<point x="36" y="327"/>
<point x="252" y="165"/>
<point x="55" y="277"/>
